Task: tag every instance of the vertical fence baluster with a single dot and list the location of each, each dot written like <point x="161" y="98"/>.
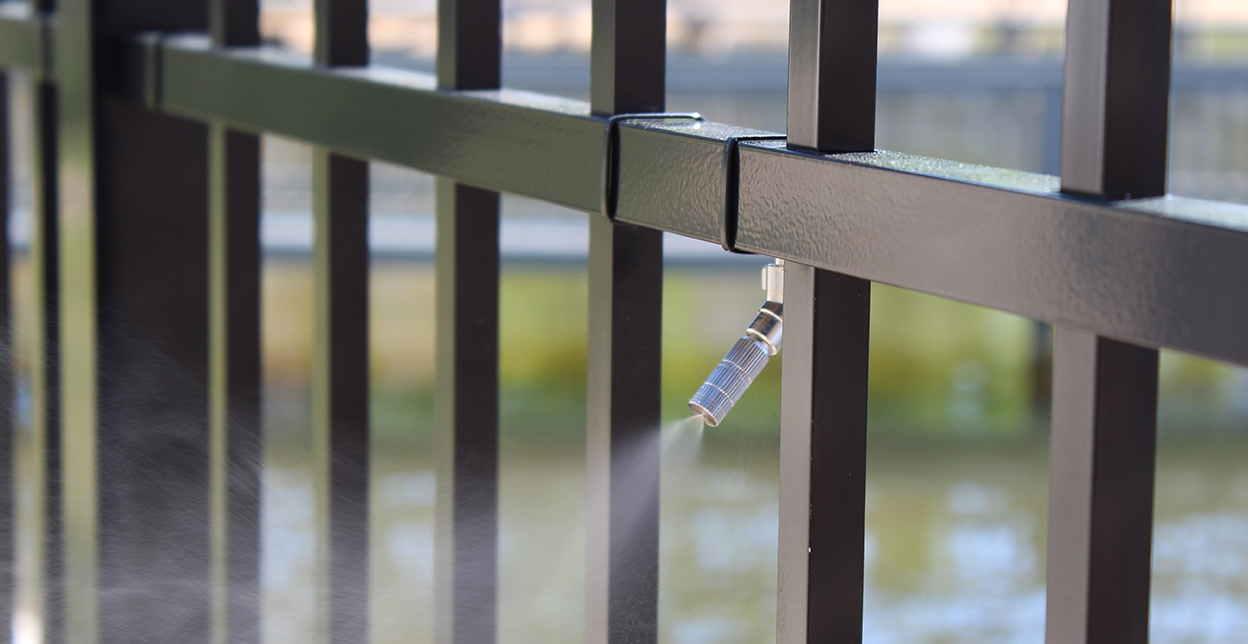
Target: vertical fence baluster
<point x="340" y="356"/>
<point x="1114" y="131"/>
<point x="134" y="331"/>
<point x="8" y="524"/>
<point x="234" y="352"/>
<point x="466" y="411"/>
<point x="625" y="328"/>
<point x="823" y="428"/>
<point x="43" y="335"/>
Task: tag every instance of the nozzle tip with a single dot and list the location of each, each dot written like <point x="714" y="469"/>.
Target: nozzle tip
<point x="701" y="412"/>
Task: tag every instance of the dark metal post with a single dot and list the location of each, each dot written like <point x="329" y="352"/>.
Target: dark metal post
<point x="340" y="359"/>
<point x="134" y="365"/>
<point x="44" y="335"/>
<point x="7" y="523"/>
<point x="625" y="302"/>
<point x="1114" y="130"/>
<point x="832" y="65"/>
<point x="466" y="412"/>
<point x="628" y="56"/>
<point x="466" y="415"/>
<point x="823" y="453"/>
<point x="234" y="353"/>
<point x="823" y="427"/>
<point x="625" y="328"/>
<point x="1116" y="98"/>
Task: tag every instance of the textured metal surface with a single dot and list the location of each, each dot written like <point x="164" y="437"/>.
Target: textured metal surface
<point x="1101" y="490"/>
<point x="466" y="415"/>
<point x="627" y="64"/>
<point x="865" y="214"/>
<point x="628" y="56"/>
<point x="132" y="191"/>
<point x="528" y="144"/>
<point x="466" y="407"/>
<point x="823" y="452"/>
<point x="1103" y="454"/>
<point x="622" y="536"/>
<point x="832" y="68"/>
<point x="671" y="175"/>
<point x="1115" y="111"/>
<point x="823" y="418"/>
<point x="731" y="208"/>
<point x="1148" y="271"/>
<point x="611" y="152"/>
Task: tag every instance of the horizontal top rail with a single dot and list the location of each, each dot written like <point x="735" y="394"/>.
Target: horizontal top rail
<point x="1159" y="272"/>
<point x="539" y="146"/>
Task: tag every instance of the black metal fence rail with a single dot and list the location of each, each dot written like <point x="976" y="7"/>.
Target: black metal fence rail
<point x="148" y="147"/>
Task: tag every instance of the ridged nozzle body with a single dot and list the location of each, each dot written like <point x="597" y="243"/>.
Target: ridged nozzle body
<point x="730" y="379"/>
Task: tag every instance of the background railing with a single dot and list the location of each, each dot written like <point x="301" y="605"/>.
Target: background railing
<point x="148" y="390"/>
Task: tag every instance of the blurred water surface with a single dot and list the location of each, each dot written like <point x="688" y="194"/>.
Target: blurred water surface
<point x="955" y="544"/>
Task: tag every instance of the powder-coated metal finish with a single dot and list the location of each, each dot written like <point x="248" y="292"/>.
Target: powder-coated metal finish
<point x="1116" y="98"/>
<point x="671" y="175"/>
<point x="340" y="375"/>
<point x="885" y="202"/>
<point x="1149" y="271"/>
<point x="832" y="67"/>
<point x="823" y="418"/>
<point x="624" y="448"/>
<point x="234" y="352"/>
<point x="627" y="56"/>
<point x="823" y="452"/>
<point x="1101" y="490"/>
<point x="731" y="208"/>
<point x="130" y="194"/>
<point x="611" y="152"/>
<point x="539" y="146"/>
<point x="466" y="404"/>
<point x="466" y="415"/>
<point x="625" y="329"/>
<point x="1114" y="135"/>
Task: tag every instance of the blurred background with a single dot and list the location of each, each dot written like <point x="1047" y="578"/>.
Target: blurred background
<point x="957" y="470"/>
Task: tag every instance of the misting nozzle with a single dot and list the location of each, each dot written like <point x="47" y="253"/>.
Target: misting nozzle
<point x="746" y="359"/>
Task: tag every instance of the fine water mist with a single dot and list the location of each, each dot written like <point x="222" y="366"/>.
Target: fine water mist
<point x="682" y="442"/>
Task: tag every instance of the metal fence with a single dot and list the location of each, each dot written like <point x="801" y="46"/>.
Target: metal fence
<point x="144" y="241"/>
